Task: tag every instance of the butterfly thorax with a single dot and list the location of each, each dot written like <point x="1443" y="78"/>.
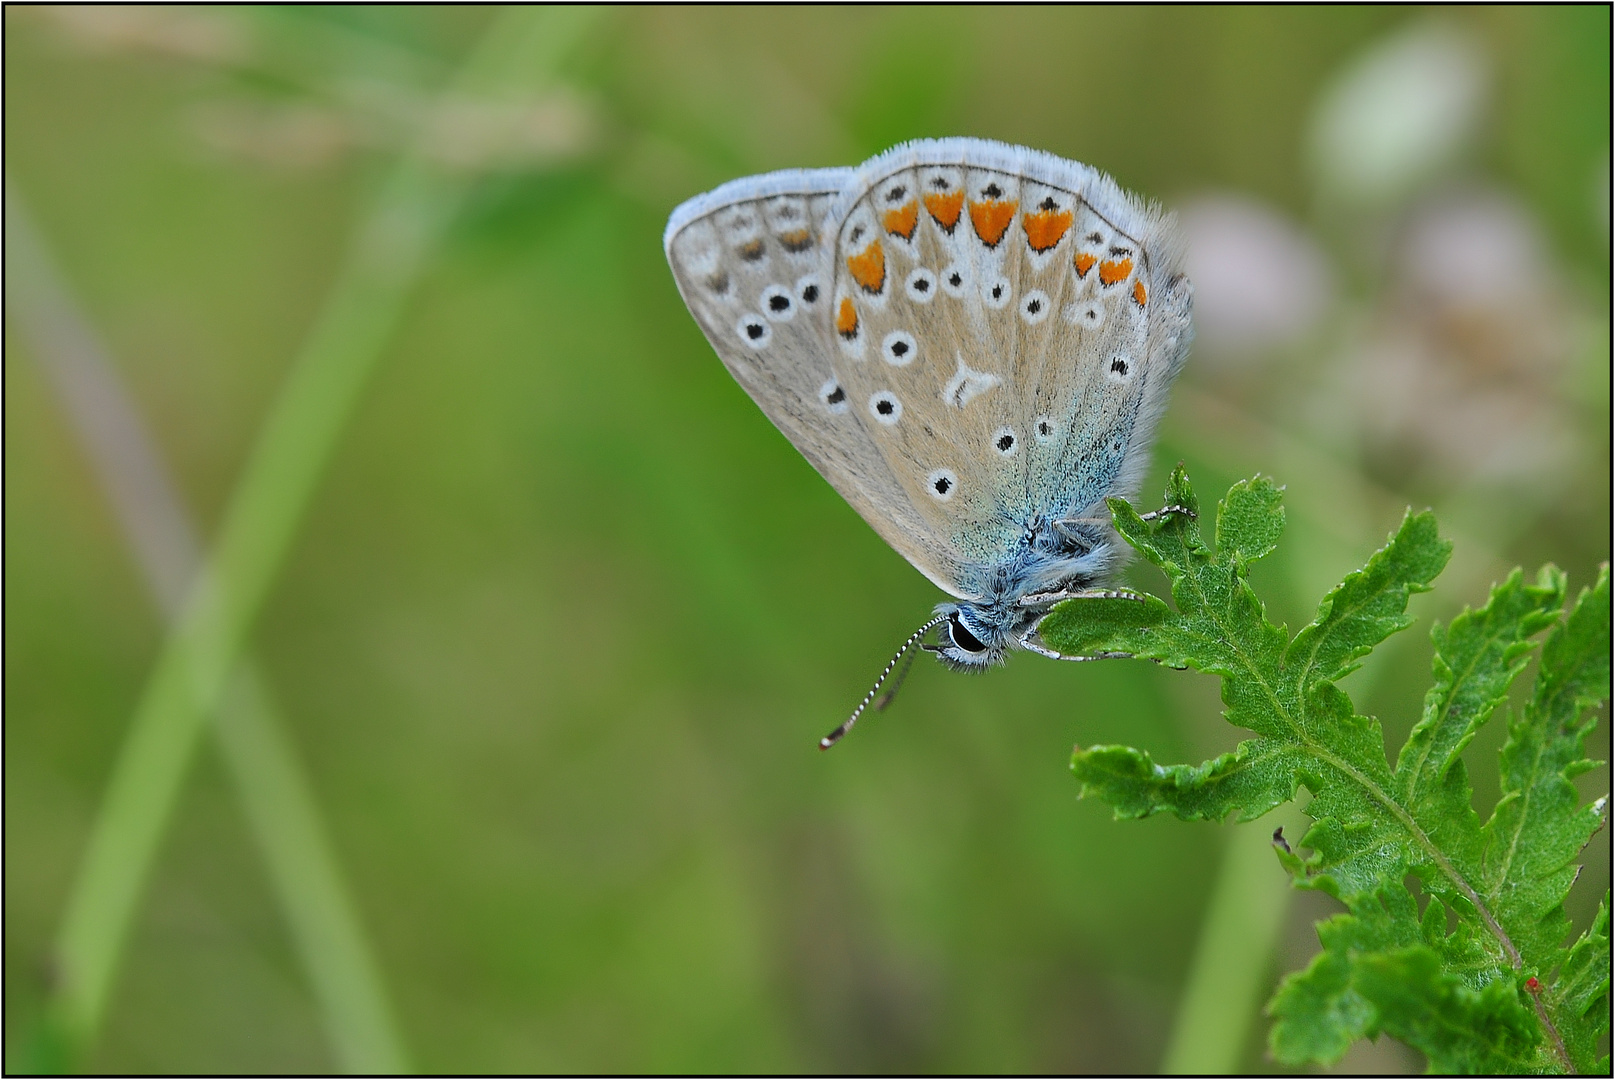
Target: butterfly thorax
<point x="979" y="632"/>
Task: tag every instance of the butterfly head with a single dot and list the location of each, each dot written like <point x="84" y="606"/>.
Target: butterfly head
<point x="973" y="637"/>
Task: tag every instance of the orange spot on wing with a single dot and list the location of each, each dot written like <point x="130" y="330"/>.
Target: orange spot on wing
<point x="847" y="319"/>
<point x="1085" y="263"/>
<point x="946" y="208"/>
<point x="1138" y="293"/>
<point x="1111" y="272"/>
<point x="1045" y="228"/>
<point x="991" y="217"/>
<point x="869" y="268"/>
<point x="901" y="222"/>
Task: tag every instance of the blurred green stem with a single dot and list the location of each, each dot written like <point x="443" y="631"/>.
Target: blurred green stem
<point x="410" y="215"/>
<point x="283" y="814"/>
<point x="277" y="798"/>
<point x="1232" y="959"/>
<point x="206" y="641"/>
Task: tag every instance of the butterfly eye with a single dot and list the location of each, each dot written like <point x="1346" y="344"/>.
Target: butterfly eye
<point x="807" y="290"/>
<point x="1043" y="429"/>
<point x="941" y="484"/>
<point x="1118" y="369"/>
<point x="955" y="281"/>
<point x="1004" y="442"/>
<point x="964" y="638"/>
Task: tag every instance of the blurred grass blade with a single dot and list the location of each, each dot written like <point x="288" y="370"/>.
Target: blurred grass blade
<point x="393" y="245"/>
<point x="284" y="817"/>
<point x="277" y="798"/>
<point x="206" y="641"/>
<point x="1231" y="971"/>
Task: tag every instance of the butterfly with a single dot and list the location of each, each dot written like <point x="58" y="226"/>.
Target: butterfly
<point x="972" y="342"/>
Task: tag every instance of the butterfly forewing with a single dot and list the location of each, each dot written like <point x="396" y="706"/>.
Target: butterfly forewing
<point x="753" y="262"/>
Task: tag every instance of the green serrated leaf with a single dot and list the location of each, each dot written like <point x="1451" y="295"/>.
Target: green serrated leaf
<point x="1248" y="781"/>
<point x="1478" y="656"/>
<point x="1579" y="998"/>
<point x="1317" y="1014"/>
<point x="1530" y="846"/>
<point x="1385" y="968"/>
<point x="1096" y="626"/>
<point x="1499" y="992"/>
<point x="1370" y="604"/>
<point x="1460" y="1030"/>
<point x="1250" y="519"/>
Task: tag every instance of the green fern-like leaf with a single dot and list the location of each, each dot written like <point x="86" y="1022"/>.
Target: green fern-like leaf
<point x="1501" y="992"/>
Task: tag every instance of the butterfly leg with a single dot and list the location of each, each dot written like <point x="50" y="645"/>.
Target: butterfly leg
<point x="1036" y="599"/>
<point x="1029" y="645"/>
<point x="1068" y="526"/>
<point x="1071" y="529"/>
<point x="1168" y="510"/>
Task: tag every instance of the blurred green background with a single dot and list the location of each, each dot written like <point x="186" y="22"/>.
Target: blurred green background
<point x="559" y="627"/>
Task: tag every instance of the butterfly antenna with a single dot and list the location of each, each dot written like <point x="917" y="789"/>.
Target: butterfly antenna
<point x="897" y="683"/>
<point x="840" y="732"/>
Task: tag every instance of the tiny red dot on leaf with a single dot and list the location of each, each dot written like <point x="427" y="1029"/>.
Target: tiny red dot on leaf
<point x="1532" y="985"/>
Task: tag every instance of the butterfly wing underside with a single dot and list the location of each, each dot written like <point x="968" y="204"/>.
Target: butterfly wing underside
<point x="963" y="337"/>
<point x="752" y="260"/>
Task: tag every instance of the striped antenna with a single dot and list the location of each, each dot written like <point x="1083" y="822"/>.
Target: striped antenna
<point x="837" y="735"/>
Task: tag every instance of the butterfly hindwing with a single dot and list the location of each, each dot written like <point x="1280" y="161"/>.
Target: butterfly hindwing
<point x="753" y="262"/>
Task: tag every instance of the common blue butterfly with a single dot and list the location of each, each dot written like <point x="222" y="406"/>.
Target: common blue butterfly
<point x="971" y="341"/>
